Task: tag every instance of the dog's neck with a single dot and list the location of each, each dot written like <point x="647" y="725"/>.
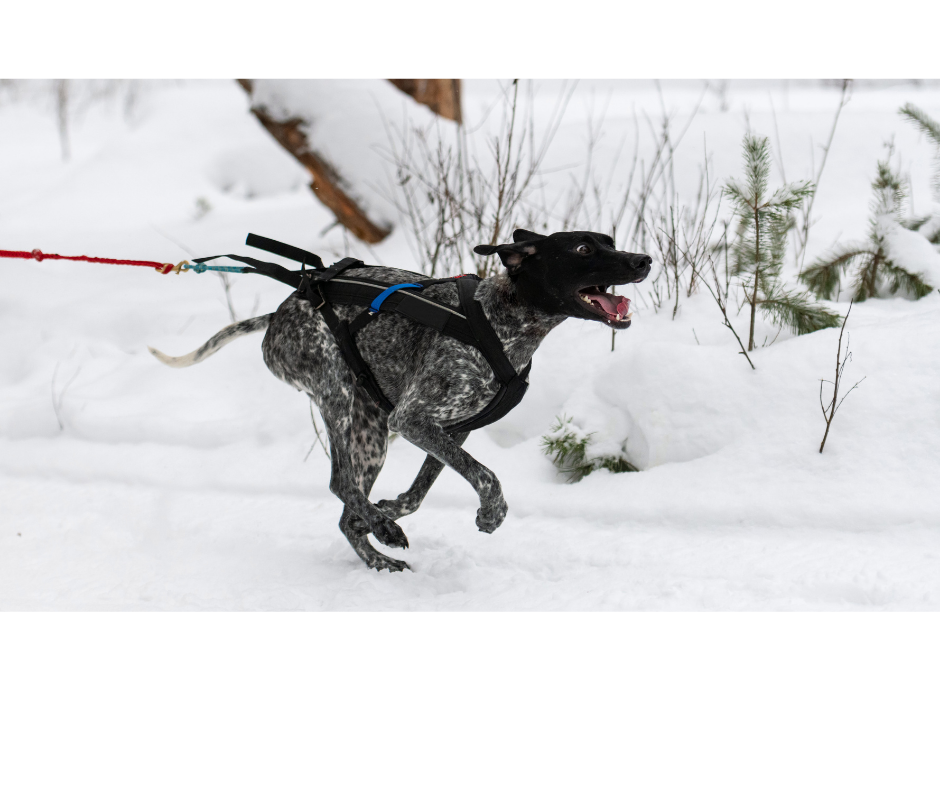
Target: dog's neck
<point x="520" y="328"/>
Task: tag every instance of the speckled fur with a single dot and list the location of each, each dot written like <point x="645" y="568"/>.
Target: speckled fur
<point x="435" y="381"/>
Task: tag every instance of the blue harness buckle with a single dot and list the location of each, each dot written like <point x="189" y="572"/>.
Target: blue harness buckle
<point x="376" y="305"/>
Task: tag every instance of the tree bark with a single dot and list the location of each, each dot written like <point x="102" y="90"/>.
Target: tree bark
<point x="750" y="342"/>
<point x="442" y="96"/>
<point x="326" y="184"/>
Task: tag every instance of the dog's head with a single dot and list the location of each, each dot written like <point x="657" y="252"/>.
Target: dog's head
<point x="570" y="273"/>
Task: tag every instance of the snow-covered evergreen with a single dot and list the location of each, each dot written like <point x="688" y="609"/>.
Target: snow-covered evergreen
<point x="760" y="248"/>
<point x="927" y="225"/>
<point x="892" y="260"/>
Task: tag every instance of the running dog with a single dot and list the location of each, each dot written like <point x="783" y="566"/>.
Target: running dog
<point x="434" y="380"/>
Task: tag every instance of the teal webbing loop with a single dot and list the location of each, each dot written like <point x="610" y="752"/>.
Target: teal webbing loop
<point x="201" y="268"/>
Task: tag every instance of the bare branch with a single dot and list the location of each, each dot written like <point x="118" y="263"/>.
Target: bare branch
<point x="829" y="411"/>
<point x="316" y="430"/>
<point x="807" y="211"/>
<point x="59" y="397"/>
<point x="716" y="295"/>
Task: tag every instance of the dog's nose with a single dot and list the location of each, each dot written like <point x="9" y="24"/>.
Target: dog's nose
<point x="642" y="261"/>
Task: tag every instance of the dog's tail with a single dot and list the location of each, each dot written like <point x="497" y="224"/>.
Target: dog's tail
<point x="220" y="340"/>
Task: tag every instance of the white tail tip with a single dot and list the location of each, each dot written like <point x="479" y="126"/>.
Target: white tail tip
<point x="174" y="361"/>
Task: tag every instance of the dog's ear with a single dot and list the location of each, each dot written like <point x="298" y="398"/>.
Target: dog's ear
<point x="510" y="254"/>
<point x="525" y="235"/>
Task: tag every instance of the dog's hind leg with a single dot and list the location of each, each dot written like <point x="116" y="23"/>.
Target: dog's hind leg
<point x="300" y="350"/>
<point x="367" y="456"/>
<point x="358" y="442"/>
<point x="408" y="502"/>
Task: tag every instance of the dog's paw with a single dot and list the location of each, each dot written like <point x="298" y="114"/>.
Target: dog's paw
<point x="489" y="518"/>
<point x="390" y="534"/>
<point x="388" y="508"/>
<point x="402" y="506"/>
<point x="380" y="562"/>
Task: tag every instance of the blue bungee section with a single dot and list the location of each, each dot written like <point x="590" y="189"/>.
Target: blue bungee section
<point x="376" y="305"/>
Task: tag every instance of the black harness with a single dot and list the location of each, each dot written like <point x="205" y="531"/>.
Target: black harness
<point x="323" y="287"/>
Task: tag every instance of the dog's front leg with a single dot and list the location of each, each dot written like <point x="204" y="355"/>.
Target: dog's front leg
<point x="417" y="428"/>
<point x="408" y="502"/>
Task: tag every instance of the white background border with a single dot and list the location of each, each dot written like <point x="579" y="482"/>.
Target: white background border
<point x="445" y="700"/>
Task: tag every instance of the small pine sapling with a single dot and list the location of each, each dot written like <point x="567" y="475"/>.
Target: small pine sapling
<point x="928" y="225"/>
<point x="568" y="450"/>
<point x="760" y="246"/>
<point x="876" y="270"/>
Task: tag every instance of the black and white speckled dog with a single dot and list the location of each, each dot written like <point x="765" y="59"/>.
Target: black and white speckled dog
<point x="434" y="379"/>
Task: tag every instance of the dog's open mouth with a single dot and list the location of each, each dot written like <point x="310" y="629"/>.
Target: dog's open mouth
<point x="614" y="308"/>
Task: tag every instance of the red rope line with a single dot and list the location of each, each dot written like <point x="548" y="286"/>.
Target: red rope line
<point x="163" y="268"/>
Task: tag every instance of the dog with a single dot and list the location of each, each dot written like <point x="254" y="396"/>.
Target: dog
<point x="434" y="380"/>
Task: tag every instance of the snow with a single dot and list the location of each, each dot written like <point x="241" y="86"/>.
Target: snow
<point x="346" y="124"/>
<point x="932" y="226"/>
<point x="913" y="252"/>
<point x="189" y="489"/>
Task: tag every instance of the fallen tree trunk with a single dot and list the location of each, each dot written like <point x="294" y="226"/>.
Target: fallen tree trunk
<point x="326" y="183"/>
<point x="442" y="96"/>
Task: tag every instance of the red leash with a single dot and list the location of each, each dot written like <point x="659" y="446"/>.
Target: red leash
<point x="162" y="268"/>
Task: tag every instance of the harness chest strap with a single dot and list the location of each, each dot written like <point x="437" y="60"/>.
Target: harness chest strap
<point x="513" y="385"/>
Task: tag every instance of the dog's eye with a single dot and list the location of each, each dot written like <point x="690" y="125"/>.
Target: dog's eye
<point x="583" y="249"/>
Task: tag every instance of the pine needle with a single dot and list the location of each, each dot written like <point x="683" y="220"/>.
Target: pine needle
<point x="823" y="276"/>
<point x="872" y="269"/>
<point x="568" y="451"/>
<point x="760" y="248"/>
<point x="922" y="121"/>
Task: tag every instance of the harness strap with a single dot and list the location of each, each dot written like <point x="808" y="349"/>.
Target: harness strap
<point x="341" y="329"/>
<point x="284" y="250"/>
<point x="336" y="269"/>
<point x="360" y="321"/>
<point x="350" y="351"/>
<point x="413" y="305"/>
<point x="512" y="386"/>
<point x="489" y="344"/>
<point x="409" y="303"/>
<point x="295" y="279"/>
<point x="272" y="270"/>
<point x="323" y="276"/>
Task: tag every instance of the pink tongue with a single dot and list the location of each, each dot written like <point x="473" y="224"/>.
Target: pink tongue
<point x="611" y="304"/>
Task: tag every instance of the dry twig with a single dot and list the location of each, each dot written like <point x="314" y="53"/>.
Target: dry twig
<point x="829" y="411"/>
<point x="722" y="305"/>
<point x="450" y="199"/>
<point x="59" y="397"/>
<point x="316" y="430"/>
<point x="807" y="208"/>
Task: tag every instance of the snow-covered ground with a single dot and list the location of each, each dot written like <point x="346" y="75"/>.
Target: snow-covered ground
<point x="128" y="485"/>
